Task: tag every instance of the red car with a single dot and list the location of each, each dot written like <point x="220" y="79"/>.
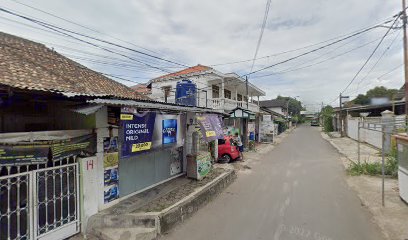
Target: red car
<point x="227" y="151"/>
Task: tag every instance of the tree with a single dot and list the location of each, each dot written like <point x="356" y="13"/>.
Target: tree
<point x="294" y="106"/>
<point x="327" y="117"/>
<point x="377" y="92"/>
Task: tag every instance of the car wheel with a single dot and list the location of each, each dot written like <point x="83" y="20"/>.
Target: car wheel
<point x="226" y="158"/>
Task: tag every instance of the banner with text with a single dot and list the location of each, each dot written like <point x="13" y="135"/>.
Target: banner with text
<point x="211" y="127"/>
<point x="137" y="131"/>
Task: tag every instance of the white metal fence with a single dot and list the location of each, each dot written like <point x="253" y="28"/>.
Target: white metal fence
<point x="40" y="204"/>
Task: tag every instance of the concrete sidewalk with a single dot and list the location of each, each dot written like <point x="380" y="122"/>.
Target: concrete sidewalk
<point x="392" y="219"/>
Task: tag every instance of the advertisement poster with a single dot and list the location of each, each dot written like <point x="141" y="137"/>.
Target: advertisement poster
<point x="137" y="131"/>
<point x="203" y="165"/>
<point x="211" y="127"/>
<point x="39" y="152"/>
<point x="23" y="154"/>
<point x="73" y="146"/>
<point x="251" y="131"/>
<point x="111" y="169"/>
<point x="169" y="131"/>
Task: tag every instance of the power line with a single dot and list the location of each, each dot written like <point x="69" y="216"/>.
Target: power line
<point x="265" y="19"/>
<point x="300" y="48"/>
<point x="316" y="49"/>
<point x="54" y="27"/>
<point x="371" y="55"/>
<point x="292" y="69"/>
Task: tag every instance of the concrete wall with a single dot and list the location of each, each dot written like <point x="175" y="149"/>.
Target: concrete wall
<point x="371" y="133"/>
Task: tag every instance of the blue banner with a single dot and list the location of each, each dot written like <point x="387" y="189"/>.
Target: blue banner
<point x="169" y="131"/>
<point x="137" y="132"/>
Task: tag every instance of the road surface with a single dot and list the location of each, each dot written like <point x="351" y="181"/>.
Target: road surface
<point x="295" y="191"/>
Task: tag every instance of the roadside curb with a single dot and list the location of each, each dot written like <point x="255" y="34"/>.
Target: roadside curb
<point x="326" y="137"/>
<point x="182" y="210"/>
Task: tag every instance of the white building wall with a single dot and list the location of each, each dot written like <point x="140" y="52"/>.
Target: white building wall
<point x="372" y="136"/>
<point x="278" y="110"/>
<point x="201" y="81"/>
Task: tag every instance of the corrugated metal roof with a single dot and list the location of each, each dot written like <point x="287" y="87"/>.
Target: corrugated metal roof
<point x="153" y="105"/>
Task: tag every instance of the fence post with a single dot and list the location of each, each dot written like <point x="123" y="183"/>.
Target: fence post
<point x="382" y="163"/>
<point x="358" y="140"/>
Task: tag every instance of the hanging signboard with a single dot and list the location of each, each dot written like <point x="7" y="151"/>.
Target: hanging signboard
<point x="73" y="146"/>
<point x="137" y="131"/>
<point x="169" y="131"/>
<point x="24" y="154"/>
<point x="39" y="152"/>
<point x="211" y="127"/>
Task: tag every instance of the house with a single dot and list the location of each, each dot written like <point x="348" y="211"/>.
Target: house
<point x="215" y="89"/>
<point x="225" y="92"/>
<point x="62" y="126"/>
<point x="277" y="105"/>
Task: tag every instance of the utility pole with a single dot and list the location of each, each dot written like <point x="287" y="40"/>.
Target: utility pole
<point x="246" y="86"/>
<point x="340" y="117"/>
<point x="404" y="27"/>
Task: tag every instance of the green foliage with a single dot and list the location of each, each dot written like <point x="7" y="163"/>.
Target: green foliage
<point x="327" y="117"/>
<point x="294" y="105"/>
<point x="374" y="169"/>
<point x="377" y="92"/>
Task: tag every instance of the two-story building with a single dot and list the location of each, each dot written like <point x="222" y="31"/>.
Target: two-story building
<point x="226" y="92"/>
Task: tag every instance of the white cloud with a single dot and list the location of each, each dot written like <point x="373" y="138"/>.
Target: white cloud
<point x="212" y="31"/>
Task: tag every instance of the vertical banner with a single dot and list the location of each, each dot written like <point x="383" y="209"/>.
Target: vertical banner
<point x="111" y="169"/>
<point x="211" y="127"/>
<point x="169" y="131"/>
<point x="137" y="131"/>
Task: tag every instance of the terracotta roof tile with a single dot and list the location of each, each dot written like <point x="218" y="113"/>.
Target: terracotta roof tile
<point x="28" y="65"/>
<point x="190" y="70"/>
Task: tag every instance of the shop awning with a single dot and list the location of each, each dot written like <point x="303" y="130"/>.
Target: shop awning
<point x="242" y="113"/>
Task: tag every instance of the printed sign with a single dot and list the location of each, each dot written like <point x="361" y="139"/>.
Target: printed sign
<point x="73" y="146"/>
<point x="169" y="131"/>
<point x="137" y="132"/>
<point x="23" y="154"/>
<point x="211" y="127"/>
<point x="28" y="153"/>
<point x="203" y="165"/>
<point x="111" y="168"/>
<point x="111" y="193"/>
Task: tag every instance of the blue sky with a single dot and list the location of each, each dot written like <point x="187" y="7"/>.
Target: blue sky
<point x="211" y="32"/>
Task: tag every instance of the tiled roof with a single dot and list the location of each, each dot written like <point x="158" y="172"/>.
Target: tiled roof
<point x="29" y="65"/>
<point x="191" y="70"/>
<point x="141" y="89"/>
<point x="273" y="103"/>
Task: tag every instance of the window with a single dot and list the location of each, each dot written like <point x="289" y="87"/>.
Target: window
<point x="227" y="93"/>
<point x="166" y="91"/>
<point x="221" y="141"/>
<point x="215" y="91"/>
<point x="239" y="97"/>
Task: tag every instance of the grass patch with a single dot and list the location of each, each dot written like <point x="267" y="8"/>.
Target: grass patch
<point x="375" y="169"/>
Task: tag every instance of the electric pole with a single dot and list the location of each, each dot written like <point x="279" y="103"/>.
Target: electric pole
<point x="404" y="27"/>
<point x="247" y="96"/>
<point x="340" y="117"/>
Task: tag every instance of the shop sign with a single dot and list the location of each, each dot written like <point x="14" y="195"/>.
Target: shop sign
<point x="203" y="165"/>
<point x="137" y="132"/>
<point x="37" y="153"/>
<point x="73" y="146"/>
<point x="24" y="154"/>
<point x="211" y="127"/>
<point x="169" y="131"/>
<point x="111" y="168"/>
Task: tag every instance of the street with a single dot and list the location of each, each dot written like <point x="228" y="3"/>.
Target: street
<point x="295" y="191"/>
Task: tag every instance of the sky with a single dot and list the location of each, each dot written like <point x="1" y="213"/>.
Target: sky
<point x="214" y="33"/>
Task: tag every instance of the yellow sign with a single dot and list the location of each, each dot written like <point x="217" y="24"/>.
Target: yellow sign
<point x="126" y="116"/>
<point x="141" y="146"/>
<point x="210" y="133"/>
<point x="110" y="159"/>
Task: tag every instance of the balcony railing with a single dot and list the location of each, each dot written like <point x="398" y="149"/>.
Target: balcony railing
<point x="229" y="104"/>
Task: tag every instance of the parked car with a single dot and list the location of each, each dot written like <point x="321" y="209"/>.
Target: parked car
<point x="227" y="151"/>
<point x="314" y="122"/>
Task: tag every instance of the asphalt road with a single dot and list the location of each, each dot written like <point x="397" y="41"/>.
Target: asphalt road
<point x="295" y="191"/>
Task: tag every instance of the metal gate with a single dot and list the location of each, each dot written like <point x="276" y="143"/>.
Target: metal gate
<point x="40" y="204"/>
